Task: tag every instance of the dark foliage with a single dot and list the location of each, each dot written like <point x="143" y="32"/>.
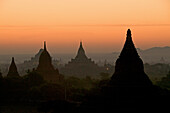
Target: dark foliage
<point x="165" y="82"/>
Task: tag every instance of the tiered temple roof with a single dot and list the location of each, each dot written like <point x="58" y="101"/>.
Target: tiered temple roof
<point x="81" y="65"/>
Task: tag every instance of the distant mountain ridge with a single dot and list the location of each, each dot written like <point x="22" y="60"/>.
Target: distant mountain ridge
<point x="155" y="49"/>
<point x="165" y="48"/>
<point x="154" y="54"/>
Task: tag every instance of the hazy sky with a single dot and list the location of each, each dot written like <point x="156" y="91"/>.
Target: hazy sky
<point x="100" y="24"/>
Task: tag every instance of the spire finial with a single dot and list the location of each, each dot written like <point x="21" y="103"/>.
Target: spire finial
<point x="80" y="43"/>
<point x="12" y="59"/>
<point x="45" y="46"/>
<point x="129" y="33"/>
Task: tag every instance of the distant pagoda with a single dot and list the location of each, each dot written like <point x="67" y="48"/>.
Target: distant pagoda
<point x="81" y="55"/>
<point x="129" y="69"/>
<point x="13" y="72"/>
<point x="81" y="65"/>
<point x="46" y="69"/>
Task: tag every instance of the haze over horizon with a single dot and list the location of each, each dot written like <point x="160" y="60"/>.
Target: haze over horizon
<point x="100" y="24"/>
<point x="75" y="52"/>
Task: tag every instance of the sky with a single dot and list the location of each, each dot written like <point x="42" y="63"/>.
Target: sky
<point x="100" y="24"/>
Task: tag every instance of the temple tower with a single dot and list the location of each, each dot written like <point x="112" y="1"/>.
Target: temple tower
<point x="81" y="65"/>
<point x="129" y="70"/>
<point x="45" y="61"/>
<point x="13" y="72"/>
<point x="45" y="67"/>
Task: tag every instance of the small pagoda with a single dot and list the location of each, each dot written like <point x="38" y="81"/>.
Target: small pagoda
<point x="13" y="72"/>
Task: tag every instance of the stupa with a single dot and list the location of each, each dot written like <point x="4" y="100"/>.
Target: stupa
<point x="129" y="69"/>
<point x="46" y="69"/>
<point x="13" y="72"/>
<point x="81" y="65"/>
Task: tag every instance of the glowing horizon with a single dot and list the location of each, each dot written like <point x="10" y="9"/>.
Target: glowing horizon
<point x="100" y="24"/>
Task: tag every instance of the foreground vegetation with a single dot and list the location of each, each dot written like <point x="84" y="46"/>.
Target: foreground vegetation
<point x="31" y="93"/>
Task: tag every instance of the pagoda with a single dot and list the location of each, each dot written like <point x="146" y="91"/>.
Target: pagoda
<point x="45" y="67"/>
<point x="129" y="69"/>
<point x="13" y="72"/>
<point x="81" y="65"/>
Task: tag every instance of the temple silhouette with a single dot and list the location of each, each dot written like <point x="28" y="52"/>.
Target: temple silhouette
<point x="33" y="63"/>
<point x="129" y="87"/>
<point x="129" y="69"/>
<point x="46" y="69"/>
<point x="13" y="72"/>
<point x="81" y="65"/>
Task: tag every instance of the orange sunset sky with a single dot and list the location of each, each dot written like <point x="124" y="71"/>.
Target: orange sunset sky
<point x="100" y="24"/>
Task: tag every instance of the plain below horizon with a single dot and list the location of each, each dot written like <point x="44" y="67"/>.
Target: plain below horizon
<point x="150" y="55"/>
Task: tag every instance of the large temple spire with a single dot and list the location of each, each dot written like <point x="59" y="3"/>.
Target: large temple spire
<point x="129" y="50"/>
<point x="129" y="69"/>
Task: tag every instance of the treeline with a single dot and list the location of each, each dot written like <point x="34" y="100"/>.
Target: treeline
<point x="66" y="96"/>
<point x="31" y="89"/>
<point x="164" y="82"/>
<point x="156" y="71"/>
